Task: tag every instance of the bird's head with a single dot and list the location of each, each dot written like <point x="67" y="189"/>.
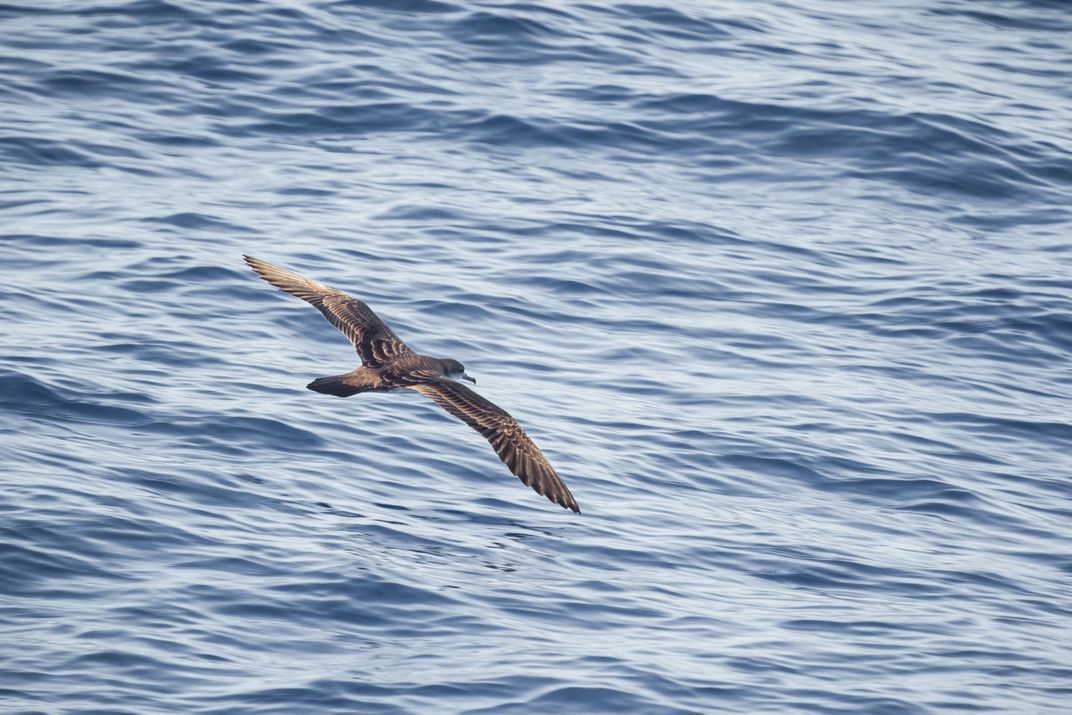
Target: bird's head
<point x="456" y="371"/>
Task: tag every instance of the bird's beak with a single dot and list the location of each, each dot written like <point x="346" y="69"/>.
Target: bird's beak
<point x="470" y="379"/>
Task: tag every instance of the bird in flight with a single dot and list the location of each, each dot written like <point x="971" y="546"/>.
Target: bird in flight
<point x="389" y="364"/>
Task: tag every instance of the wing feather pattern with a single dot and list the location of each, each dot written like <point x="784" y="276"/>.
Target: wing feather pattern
<point x="375" y="342"/>
<point x="514" y="447"/>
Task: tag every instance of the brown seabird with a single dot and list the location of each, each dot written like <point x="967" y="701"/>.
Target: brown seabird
<point x="389" y="364"/>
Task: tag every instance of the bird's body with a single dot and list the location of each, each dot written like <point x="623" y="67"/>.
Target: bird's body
<point x="403" y="372"/>
<point x="389" y="364"/>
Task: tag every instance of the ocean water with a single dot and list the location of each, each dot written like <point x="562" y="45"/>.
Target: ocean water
<point x="783" y="290"/>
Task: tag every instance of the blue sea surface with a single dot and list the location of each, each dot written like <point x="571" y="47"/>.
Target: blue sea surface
<point x="782" y="288"/>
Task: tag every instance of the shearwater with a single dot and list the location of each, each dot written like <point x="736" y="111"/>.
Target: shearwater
<point x="389" y="364"/>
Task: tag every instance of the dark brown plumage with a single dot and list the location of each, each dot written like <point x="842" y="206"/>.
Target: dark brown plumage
<point x="389" y="364"/>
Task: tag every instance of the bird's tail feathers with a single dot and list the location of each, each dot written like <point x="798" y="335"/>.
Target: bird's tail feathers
<point x="338" y="385"/>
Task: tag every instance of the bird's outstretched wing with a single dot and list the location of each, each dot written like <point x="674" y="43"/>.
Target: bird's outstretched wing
<point x="513" y="446"/>
<point x="375" y="342"/>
